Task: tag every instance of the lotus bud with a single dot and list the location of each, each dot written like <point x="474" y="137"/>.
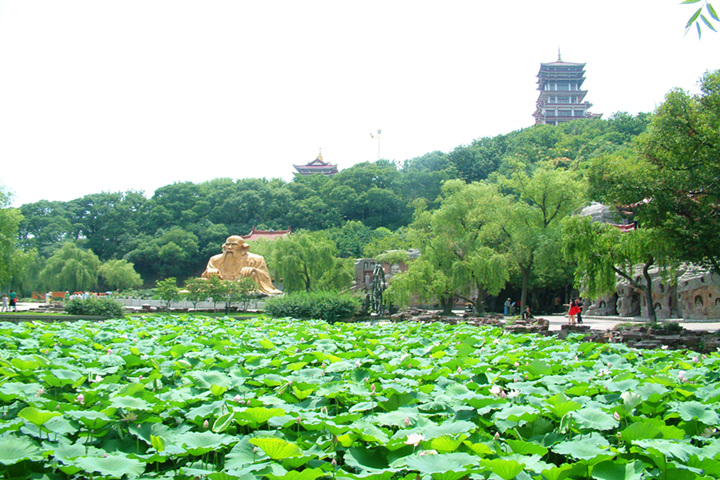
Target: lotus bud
<point x="617" y="416"/>
<point x="237" y="399"/>
<point x="248" y="402"/>
<point x="81" y="398"/>
<point x="407" y="421"/>
<point x="297" y="420"/>
<point x="372" y="388"/>
<point x="109" y="351"/>
<point x="255" y="450"/>
<point x="459" y="370"/>
<point x="497" y="435"/>
<point x="334" y="462"/>
<point x="206" y="424"/>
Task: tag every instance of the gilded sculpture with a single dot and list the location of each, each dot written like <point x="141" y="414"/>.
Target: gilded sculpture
<point x="236" y="262"/>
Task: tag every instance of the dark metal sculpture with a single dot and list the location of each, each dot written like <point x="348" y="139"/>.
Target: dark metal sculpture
<point x="378" y="286"/>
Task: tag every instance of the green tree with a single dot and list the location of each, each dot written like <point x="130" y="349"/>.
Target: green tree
<point x="306" y="261"/>
<point x="10" y="219"/>
<point x="215" y="290"/>
<point x="71" y="268"/>
<point x="671" y="180"/>
<point x="238" y="291"/>
<point x="462" y="251"/>
<point x="168" y="291"/>
<point x="195" y="291"/>
<point x="533" y="223"/>
<point x="602" y="252"/>
<point x="120" y="275"/>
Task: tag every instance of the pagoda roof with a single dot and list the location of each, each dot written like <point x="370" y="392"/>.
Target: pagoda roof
<point x="318" y="165"/>
<point x="269" y="234"/>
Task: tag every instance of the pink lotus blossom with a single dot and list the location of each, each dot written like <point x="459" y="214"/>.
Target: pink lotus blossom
<point x="237" y="399"/>
<point x="496" y="390"/>
<point x="497" y="435"/>
<point x="407" y="421"/>
<point x="617" y="416"/>
<point x="459" y="370"/>
<point x="206" y="424"/>
<point x="372" y="388"/>
<point x="414" y="439"/>
<point x="40" y="391"/>
<point x="81" y="398"/>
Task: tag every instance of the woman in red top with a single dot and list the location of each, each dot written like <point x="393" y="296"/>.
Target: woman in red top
<point x="574" y="310"/>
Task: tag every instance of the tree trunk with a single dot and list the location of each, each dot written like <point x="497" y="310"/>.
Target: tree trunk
<point x="446" y="304"/>
<point x="525" y="287"/>
<point x="652" y="317"/>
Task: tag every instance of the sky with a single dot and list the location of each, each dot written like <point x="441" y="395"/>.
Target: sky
<point x="106" y="96"/>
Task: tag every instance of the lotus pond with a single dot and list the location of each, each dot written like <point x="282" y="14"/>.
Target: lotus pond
<point x="218" y="398"/>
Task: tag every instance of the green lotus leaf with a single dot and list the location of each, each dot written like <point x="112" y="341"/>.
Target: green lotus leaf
<point x="257" y="415"/>
<point x="585" y="447"/>
<point x="89" y="418"/>
<point x="37" y="417"/>
<point x="441" y="462"/>
<point x="613" y="470"/>
<point x="306" y="474"/>
<point x="130" y="403"/>
<point x="447" y="443"/>
<point x="516" y="413"/>
<point x="669" y="448"/>
<point x="199" y="443"/>
<point x="651" y="391"/>
<point x="208" y="379"/>
<point x="479" y="449"/>
<point x="641" y="430"/>
<point x="696" y="410"/>
<point x="113" y="466"/>
<point x="17" y="449"/>
<point x="371" y="460"/>
<point x="63" y="377"/>
<point x="560" y="405"/>
<point x="505" y="469"/>
<point x="276" y="448"/>
<point x="594" y="419"/>
<point x="111" y="360"/>
<point x="526" y="448"/>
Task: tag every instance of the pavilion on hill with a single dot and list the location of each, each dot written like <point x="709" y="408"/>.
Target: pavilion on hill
<point x="561" y="98"/>
<point x="317" y="166"/>
<point x="267" y="234"/>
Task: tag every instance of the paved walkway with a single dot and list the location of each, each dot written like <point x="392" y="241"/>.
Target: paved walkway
<point x="607" y="323"/>
<point x="558" y="320"/>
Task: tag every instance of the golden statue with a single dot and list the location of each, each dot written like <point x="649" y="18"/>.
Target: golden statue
<point x="236" y="262"/>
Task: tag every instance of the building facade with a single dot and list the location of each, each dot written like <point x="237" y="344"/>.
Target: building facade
<point x="561" y="98"/>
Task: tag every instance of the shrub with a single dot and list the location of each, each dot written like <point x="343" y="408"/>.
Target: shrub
<point x="329" y="306"/>
<point x="106" y="307"/>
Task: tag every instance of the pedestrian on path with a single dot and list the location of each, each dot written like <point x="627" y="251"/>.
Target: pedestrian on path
<point x="574" y="309"/>
<point x="5" y="302"/>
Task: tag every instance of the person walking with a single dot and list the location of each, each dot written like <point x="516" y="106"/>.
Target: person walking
<point x="574" y="309"/>
<point x="579" y="303"/>
<point x="5" y="302"/>
<point x="13" y="301"/>
<point x="507" y="305"/>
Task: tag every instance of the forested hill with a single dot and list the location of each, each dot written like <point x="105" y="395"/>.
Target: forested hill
<point x="174" y="232"/>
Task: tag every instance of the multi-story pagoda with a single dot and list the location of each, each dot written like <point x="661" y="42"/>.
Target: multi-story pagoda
<point x="561" y="97"/>
<point x="317" y="166"/>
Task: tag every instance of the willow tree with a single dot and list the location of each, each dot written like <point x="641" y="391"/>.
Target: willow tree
<point x="603" y="252"/>
<point x="533" y="224"/>
<point x="306" y="261"/>
<point x="462" y="248"/>
<point x="71" y="268"/>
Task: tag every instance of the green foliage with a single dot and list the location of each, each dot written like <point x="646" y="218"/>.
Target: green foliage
<point x="100" y="306"/>
<point x="325" y="305"/>
<point x="71" y="268"/>
<point x="698" y="17"/>
<point x="172" y="396"/>
<point x="119" y="275"/>
<point x="10" y="219"/>
<point x="307" y="261"/>
<point x="168" y="290"/>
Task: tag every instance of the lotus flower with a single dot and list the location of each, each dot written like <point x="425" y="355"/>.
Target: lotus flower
<point x="237" y="399"/>
<point x="414" y="439"/>
<point x="81" y="398"/>
<point x="617" y="416"/>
